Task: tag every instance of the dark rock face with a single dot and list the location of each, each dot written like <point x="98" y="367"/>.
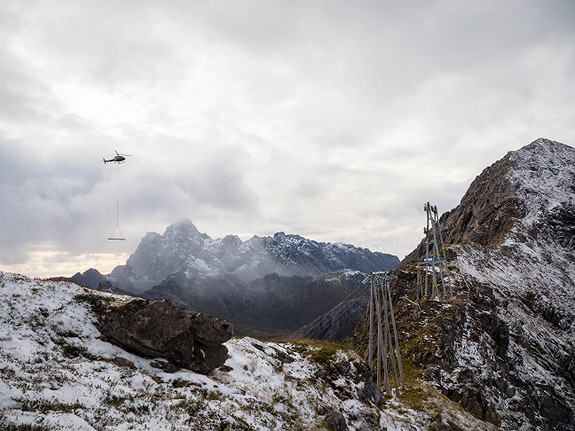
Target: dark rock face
<point x="161" y="329"/>
<point x="487" y="211"/>
<point x="334" y="419"/>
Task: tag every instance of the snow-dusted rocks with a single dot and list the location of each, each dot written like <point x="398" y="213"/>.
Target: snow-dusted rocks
<point x="57" y="373"/>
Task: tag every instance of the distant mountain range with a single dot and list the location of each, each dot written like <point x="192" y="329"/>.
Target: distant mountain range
<point x="265" y="285"/>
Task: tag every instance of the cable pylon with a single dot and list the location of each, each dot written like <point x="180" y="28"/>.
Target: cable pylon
<point x="432" y="271"/>
<point x="383" y="339"/>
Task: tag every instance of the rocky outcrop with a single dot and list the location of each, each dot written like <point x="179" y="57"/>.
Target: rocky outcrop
<point x="160" y="329"/>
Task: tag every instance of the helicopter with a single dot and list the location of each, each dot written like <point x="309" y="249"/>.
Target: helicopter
<point x="118" y="158"/>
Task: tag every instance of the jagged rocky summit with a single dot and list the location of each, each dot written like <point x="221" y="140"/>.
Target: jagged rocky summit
<point x="183" y="249"/>
<point x="504" y="346"/>
<point x="160" y="329"/>
<point x="265" y="286"/>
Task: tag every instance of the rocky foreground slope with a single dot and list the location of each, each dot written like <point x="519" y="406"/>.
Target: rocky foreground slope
<point x="504" y="346"/>
<point x="58" y="372"/>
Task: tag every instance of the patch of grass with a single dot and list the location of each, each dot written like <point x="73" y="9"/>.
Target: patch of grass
<point x="98" y="303"/>
<point x="8" y="373"/>
<point x="414" y="396"/>
<point x="211" y="395"/>
<point x="411" y="374"/>
<point x="138" y="409"/>
<point x="321" y="352"/>
<point x="423" y="342"/>
<point x="114" y="400"/>
<point x="45" y="406"/>
<point x="23" y="427"/>
<point x="191" y="406"/>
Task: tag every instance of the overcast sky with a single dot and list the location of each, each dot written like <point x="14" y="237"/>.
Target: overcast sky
<point x="335" y="120"/>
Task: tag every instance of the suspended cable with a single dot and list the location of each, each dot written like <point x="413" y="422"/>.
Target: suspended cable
<point x="113" y="236"/>
<point x="347" y="301"/>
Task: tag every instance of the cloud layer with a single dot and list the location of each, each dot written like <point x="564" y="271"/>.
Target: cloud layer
<point x="333" y="120"/>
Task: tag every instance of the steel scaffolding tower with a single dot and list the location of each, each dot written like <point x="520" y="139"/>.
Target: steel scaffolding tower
<point x="381" y="314"/>
<point x="432" y="271"/>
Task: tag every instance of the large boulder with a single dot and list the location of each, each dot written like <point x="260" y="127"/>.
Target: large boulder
<point x="160" y="329"/>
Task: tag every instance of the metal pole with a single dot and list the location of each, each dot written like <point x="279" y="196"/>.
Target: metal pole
<point x="426" y="207"/>
<point x="435" y="257"/>
<point x="444" y="258"/>
<point x="379" y="340"/>
<point x="388" y="341"/>
<point x="396" y="337"/>
<point x="383" y="342"/>
<point x="436" y="247"/>
<point x="371" y="319"/>
<point x="418" y="286"/>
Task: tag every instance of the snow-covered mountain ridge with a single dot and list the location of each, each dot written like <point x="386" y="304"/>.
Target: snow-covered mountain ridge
<point x="504" y="346"/>
<point x="183" y="249"/>
<point x="58" y="373"/>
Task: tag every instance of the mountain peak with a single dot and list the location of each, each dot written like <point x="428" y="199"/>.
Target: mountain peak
<point x="520" y="186"/>
<point x="542" y="150"/>
<point x="544" y="173"/>
<point x="545" y="143"/>
<point x="182" y="228"/>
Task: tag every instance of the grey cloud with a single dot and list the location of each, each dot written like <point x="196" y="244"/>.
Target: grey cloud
<point x="49" y="199"/>
<point x="218" y="181"/>
<point x="333" y="120"/>
<point x="20" y="91"/>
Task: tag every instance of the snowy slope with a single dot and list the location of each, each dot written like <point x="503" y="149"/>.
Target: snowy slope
<point x="532" y="277"/>
<point x="56" y="372"/>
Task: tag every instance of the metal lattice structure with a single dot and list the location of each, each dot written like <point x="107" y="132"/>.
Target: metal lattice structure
<point x="432" y="271"/>
<point x="383" y="337"/>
